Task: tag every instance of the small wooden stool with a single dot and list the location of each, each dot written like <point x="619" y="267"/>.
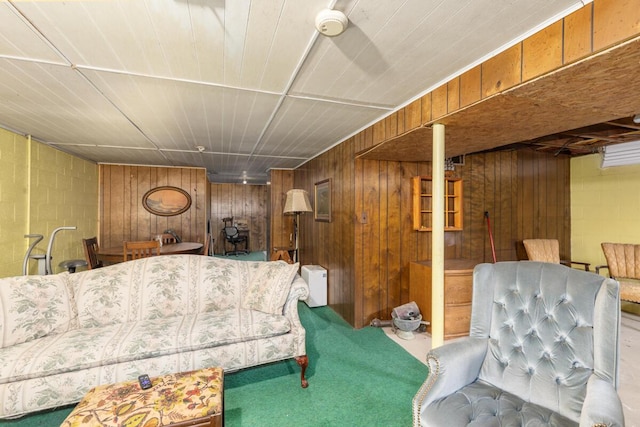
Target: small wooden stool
<point x="191" y="398"/>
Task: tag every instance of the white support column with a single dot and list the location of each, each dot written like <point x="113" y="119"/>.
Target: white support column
<point x="437" y="238"/>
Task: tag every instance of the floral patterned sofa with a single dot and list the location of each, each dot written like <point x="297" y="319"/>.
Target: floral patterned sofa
<point x="63" y="334"/>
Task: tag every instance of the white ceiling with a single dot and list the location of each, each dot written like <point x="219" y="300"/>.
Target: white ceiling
<point x="253" y="82"/>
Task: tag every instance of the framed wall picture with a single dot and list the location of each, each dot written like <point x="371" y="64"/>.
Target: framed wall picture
<point x="166" y="201"/>
<point x="322" y="197"/>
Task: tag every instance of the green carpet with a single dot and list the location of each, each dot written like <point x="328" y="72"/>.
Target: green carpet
<point x="356" y="378"/>
<point x="251" y="256"/>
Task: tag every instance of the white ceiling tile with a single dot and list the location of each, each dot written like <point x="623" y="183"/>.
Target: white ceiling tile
<point x="299" y="129"/>
<point x="17" y="39"/>
<point x="113" y="154"/>
<point x="182" y="115"/>
<point x="379" y="65"/>
<point x="54" y="103"/>
<point x="250" y="81"/>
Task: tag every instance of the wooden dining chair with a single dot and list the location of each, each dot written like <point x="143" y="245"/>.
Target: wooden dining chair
<point x="91" y="250"/>
<point x="141" y="249"/>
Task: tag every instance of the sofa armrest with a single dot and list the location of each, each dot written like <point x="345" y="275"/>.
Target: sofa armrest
<point x="602" y="405"/>
<point x="451" y="367"/>
<point x="299" y="289"/>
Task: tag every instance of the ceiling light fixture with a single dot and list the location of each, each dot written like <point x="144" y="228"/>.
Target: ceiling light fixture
<point x="331" y="22"/>
<point x="636" y="119"/>
<point x="627" y="153"/>
<point x="200" y="148"/>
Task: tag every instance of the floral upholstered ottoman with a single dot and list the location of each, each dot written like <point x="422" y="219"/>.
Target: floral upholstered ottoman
<point x="192" y="398"/>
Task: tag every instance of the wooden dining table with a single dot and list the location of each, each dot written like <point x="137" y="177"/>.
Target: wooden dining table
<point x="115" y="254"/>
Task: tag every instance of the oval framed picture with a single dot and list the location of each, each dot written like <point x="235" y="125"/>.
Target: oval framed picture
<point x="166" y="201"/>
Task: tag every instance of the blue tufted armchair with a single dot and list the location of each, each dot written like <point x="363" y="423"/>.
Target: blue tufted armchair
<point x="543" y="350"/>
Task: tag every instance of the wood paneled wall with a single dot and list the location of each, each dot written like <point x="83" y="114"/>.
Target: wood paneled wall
<point x="331" y="245"/>
<point x="544" y="200"/>
<point x="369" y="244"/>
<point x="525" y="193"/>
<point x="122" y="216"/>
<point x="247" y="203"/>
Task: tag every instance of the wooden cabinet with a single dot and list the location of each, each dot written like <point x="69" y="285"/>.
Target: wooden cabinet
<point x="422" y="191"/>
<point x="458" y="284"/>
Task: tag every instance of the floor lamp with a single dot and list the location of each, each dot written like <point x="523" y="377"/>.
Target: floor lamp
<point x="297" y="202"/>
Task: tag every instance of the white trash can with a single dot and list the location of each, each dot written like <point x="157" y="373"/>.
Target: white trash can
<point x="316" y="278"/>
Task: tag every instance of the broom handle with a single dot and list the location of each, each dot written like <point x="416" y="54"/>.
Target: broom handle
<point x="493" y="248"/>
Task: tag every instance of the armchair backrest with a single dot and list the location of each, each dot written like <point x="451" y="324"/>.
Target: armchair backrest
<point x="623" y="259"/>
<point x="545" y="250"/>
<point x="549" y="328"/>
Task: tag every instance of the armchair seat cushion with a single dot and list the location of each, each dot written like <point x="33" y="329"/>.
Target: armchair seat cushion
<point x="482" y="404"/>
<point x="629" y="290"/>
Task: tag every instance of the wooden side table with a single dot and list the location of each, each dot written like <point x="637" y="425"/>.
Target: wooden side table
<point x="458" y="287"/>
<point x="193" y="398"/>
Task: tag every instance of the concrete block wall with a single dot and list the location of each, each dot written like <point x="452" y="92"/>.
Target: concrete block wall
<point x="42" y="188"/>
<point x="605" y="207"/>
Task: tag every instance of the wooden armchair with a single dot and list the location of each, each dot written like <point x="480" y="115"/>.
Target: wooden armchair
<point x="623" y="263"/>
<point x="548" y="250"/>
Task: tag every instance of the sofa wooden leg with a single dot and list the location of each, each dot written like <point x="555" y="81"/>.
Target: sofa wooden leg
<point x="303" y="361"/>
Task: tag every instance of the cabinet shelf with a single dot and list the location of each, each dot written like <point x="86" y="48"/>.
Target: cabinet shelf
<point x="422" y="203"/>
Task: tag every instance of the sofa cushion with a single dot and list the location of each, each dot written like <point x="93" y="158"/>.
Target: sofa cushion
<point x="157" y="287"/>
<point x="269" y="285"/>
<point x="102" y="346"/>
<point x="34" y="306"/>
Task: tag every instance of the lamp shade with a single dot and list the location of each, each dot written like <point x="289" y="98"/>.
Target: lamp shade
<point x="297" y="201"/>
